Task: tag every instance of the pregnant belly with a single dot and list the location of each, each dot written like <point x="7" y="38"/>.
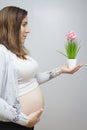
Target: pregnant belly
<point x="32" y="101"/>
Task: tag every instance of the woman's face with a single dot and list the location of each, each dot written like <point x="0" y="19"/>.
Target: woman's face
<point x="24" y="30"/>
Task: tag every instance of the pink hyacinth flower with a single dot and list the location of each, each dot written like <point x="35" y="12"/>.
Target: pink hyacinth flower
<point x="71" y="35"/>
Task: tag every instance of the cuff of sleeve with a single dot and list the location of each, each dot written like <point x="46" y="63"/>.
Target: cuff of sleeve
<point x="55" y="72"/>
<point x="23" y="119"/>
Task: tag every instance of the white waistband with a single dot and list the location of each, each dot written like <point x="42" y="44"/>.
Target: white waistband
<point x="27" y="87"/>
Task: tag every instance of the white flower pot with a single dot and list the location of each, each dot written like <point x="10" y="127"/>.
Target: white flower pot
<point x="72" y="63"/>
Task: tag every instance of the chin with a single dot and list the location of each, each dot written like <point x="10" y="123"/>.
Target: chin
<point x="22" y="42"/>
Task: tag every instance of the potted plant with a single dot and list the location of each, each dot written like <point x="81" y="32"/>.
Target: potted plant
<point x="71" y="48"/>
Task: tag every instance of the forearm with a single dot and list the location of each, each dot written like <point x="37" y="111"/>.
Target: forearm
<point x="10" y="113"/>
<point x="46" y="76"/>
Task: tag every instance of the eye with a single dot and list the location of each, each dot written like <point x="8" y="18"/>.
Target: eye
<point x="24" y="24"/>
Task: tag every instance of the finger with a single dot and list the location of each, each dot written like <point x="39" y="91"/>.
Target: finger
<point x="79" y="65"/>
<point x="74" y="70"/>
<point x="39" y="113"/>
<point x="38" y="120"/>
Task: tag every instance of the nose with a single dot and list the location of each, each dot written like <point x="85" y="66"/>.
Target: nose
<point x="27" y="30"/>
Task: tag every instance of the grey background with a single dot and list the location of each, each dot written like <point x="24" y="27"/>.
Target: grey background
<point x="65" y="96"/>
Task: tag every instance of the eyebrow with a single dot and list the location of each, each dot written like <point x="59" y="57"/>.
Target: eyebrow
<point x="24" y="22"/>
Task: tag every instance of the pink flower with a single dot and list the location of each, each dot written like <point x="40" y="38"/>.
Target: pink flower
<point x="71" y="36"/>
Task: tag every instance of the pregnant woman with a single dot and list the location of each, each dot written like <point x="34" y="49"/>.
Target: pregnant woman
<point x="21" y="99"/>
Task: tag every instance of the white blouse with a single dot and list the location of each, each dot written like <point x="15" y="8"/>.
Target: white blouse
<point x="26" y="70"/>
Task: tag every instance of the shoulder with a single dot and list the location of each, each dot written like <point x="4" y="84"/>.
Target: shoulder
<point x="2" y="48"/>
<point x="3" y="51"/>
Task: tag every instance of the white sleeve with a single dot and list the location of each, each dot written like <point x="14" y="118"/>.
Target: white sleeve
<point x="48" y="75"/>
<point x="8" y="112"/>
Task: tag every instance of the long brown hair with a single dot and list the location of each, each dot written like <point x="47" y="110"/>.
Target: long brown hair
<point x="10" y="22"/>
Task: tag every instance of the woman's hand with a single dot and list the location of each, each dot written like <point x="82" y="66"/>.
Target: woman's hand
<point x="34" y="118"/>
<point x="65" y="69"/>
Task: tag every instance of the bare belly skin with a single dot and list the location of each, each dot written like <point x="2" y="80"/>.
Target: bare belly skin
<point x="32" y="101"/>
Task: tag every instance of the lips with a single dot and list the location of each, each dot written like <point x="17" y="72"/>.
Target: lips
<point x="25" y="37"/>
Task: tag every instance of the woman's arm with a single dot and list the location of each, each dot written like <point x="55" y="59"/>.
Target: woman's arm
<point x="8" y="112"/>
<point x="46" y="76"/>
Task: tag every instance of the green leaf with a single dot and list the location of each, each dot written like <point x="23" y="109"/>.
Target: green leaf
<point x="62" y="53"/>
<point x="71" y="48"/>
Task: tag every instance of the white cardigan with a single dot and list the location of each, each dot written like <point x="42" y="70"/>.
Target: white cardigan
<point x="10" y="110"/>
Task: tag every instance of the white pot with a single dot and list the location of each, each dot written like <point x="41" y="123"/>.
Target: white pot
<point x="72" y="63"/>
